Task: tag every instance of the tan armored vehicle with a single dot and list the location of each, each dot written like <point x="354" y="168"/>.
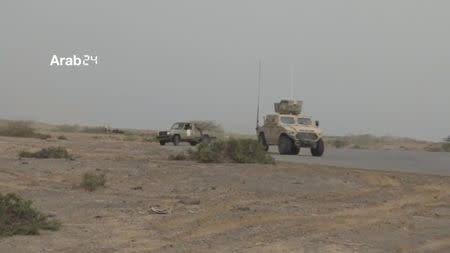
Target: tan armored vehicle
<point x="183" y="132"/>
<point x="290" y="130"/>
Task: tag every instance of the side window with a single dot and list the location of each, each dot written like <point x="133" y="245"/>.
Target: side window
<point x="271" y="120"/>
<point x="188" y="126"/>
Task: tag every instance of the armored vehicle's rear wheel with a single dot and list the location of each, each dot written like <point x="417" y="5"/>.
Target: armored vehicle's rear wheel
<point x="285" y="145"/>
<point x="176" y="140"/>
<point x="319" y="149"/>
<point x="295" y="150"/>
<point x="162" y="143"/>
<point x="263" y="142"/>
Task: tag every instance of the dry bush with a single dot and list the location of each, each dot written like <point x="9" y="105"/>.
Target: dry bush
<point x="92" y="181"/>
<point x="51" y="152"/>
<point x="208" y="125"/>
<point x="18" y="129"/>
<point x="21" y="129"/>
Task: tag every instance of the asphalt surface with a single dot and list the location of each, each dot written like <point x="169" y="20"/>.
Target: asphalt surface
<point x="431" y="163"/>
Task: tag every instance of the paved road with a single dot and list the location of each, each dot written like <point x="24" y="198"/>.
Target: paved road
<point x="433" y="163"/>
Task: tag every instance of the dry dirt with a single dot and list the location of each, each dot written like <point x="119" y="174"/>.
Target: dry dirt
<point x="219" y="207"/>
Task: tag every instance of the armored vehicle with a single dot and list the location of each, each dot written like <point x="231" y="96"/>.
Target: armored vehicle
<point x="183" y="132"/>
<point x="290" y="130"/>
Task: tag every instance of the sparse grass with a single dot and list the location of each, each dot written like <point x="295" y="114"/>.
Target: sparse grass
<point x="232" y="150"/>
<point x="94" y="130"/>
<point x="68" y="128"/>
<point x="177" y="157"/>
<point x="130" y="137"/>
<point x="51" y="152"/>
<point x="446" y="147"/>
<point x="92" y="181"/>
<point x="62" y="137"/>
<point x="18" y="217"/>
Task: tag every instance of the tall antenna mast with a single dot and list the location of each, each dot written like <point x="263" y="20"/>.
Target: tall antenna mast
<point x="292" y="82"/>
<point x="259" y="93"/>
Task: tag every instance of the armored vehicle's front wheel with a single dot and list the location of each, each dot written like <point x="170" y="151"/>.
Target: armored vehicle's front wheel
<point x="263" y="142"/>
<point x="162" y="143"/>
<point x="176" y="140"/>
<point x="319" y="149"/>
<point x="295" y="150"/>
<point x="285" y="145"/>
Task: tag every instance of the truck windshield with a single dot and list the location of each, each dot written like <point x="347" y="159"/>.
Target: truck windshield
<point x="177" y="126"/>
<point x="287" y="120"/>
<point x="304" y="121"/>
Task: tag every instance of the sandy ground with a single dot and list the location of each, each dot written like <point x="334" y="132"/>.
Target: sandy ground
<point x="219" y="207"/>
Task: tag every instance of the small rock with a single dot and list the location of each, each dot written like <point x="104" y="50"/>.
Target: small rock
<point x="157" y="210"/>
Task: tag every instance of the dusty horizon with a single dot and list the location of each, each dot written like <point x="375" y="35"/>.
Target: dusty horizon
<point x="379" y="68"/>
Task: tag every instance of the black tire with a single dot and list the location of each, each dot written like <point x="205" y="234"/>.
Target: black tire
<point x="176" y="140"/>
<point x="205" y="138"/>
<point x="162" y="143"/>
<point x="193" y="143"/>
<point x="262" y="140"/>
<point x="295" y="150"/>
<point x="285" y="145"/>
<point x="320" y="148"/>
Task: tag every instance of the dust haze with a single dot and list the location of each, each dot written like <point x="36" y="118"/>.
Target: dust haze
<point x="377" y="67"/>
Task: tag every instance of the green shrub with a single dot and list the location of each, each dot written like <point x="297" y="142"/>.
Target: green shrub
<point x="51" y="152"/>
<point x="177" y="157"/>
<point x="18" y="217"/>
<point x="92" y="181"/>
<point x="232" y="150"/>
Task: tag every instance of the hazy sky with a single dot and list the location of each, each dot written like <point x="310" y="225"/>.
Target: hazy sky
<point x="378" y="67"/>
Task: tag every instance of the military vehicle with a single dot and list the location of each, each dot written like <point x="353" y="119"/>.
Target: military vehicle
<point x="183" y="132"/>
<point x="290" y="130"/>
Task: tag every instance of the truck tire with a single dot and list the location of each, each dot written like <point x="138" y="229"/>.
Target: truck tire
<point x="295" y="150"/>
<point x="204" y="138"/>
<point x="193" y="143"/>
<point x="262" y="140"/>
<point x="285" y="145"/>
<point x="162" y="143"/>
<point x="176" y="140"/>
<point x="319" y="149"/>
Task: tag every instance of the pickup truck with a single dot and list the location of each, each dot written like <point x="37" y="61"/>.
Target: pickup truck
<point x="183" y="132"/>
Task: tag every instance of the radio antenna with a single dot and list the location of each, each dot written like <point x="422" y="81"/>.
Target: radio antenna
<point x="259" y="93"/>
<point x="292" y="82"/>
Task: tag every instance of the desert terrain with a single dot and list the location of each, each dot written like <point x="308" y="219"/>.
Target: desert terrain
<point x="153" y="204"/>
